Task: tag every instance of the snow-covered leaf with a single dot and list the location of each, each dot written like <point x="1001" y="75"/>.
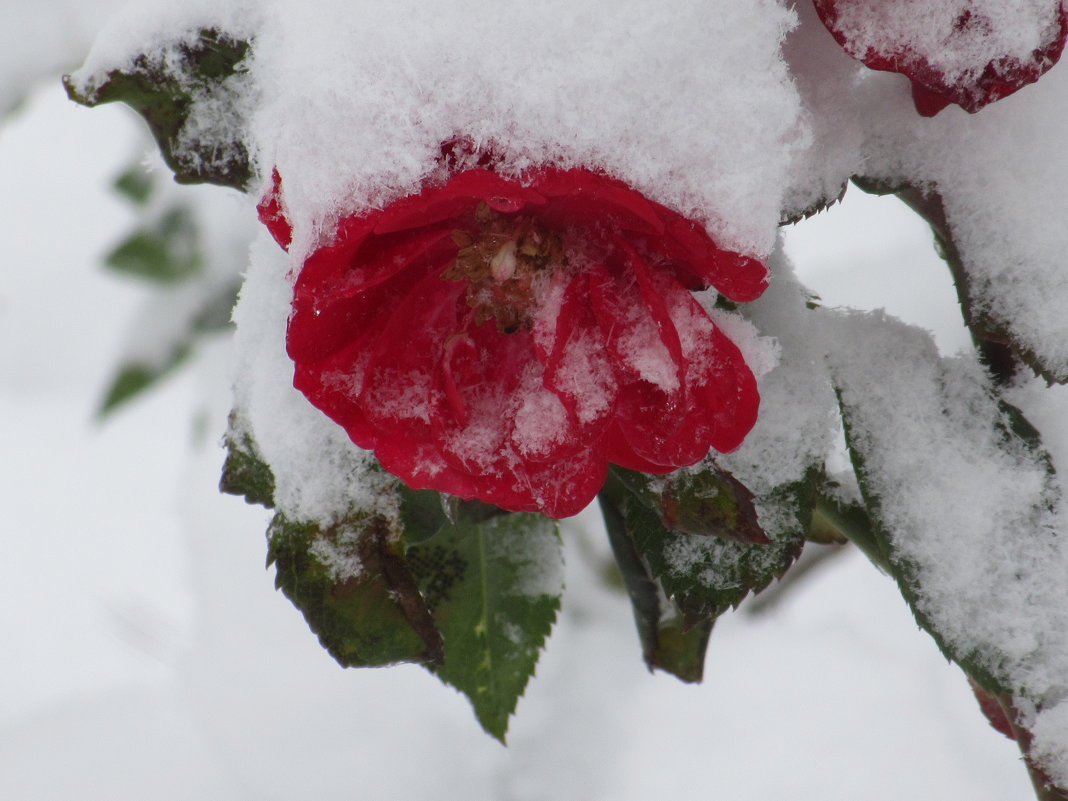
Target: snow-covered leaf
<point x="706" y="575"/>
<point x="962" y="501"/>
<point x="191" y="80"/>
<point x="708" y="502"/>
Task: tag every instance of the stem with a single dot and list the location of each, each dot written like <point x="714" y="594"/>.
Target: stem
<point x="1044" y="788"/>
<point x="992" y="345"/>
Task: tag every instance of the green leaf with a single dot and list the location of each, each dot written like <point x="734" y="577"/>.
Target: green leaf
<point x="177" y="334"/>
<point x="351" y="583"/>
<point x="134" y="378"/>
<point x="493" y="587"/>
<point x="707" y="575"/>
<point x="167" y="251"/>
<point x="709" y="502"/>
<point x="170" y="86"/>
<point x="668" y="642"/>
<point x="135" y="184"/>
<point x="834" y="519"/>
<point x="244" y="472"/>
<point x="679" y="582"/>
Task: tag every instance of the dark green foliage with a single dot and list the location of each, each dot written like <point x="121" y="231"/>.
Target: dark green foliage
<point x="134" y="184"/>
<point x="708" y="503"/>
<point x="166" y="98"/>
<point x="352" y="585"/>
<point x="464" y="588"/>
<point x="668" y="643"/>
<point x="244" y="471"/>
<point x="134" y="378"/>
<point x="680" y="582"/>
<point x="166" y="250"/>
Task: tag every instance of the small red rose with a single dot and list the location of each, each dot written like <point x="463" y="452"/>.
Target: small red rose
<point x="506" y="339"/>
<point x="944" y="47"/>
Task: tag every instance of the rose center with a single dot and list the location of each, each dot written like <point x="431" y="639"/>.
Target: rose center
<point x="506" y="261"/>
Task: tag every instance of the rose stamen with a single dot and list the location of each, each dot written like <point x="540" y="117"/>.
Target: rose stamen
<point x="504" y="261"/>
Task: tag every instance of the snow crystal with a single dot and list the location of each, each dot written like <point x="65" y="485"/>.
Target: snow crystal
<point x="338" y="555"/>
<point x="585" y="373"/>
<point x="644" y="352"/>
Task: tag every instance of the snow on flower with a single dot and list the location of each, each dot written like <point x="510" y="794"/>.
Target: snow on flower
<point x="507" y="338"/>
<point x="968" y="52"/>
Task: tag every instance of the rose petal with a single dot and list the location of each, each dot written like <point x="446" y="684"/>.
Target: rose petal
<point x="273" y="215"/>
<point x="462" y="193"/>
<point x="581" y="197"/>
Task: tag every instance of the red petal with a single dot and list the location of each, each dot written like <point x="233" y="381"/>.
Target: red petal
<point x="632" y="332"/>
<point x="273" y="215"/>
<point x="731" y="393"/>
<point x="337" y="273"/>
<point x="567" y="487"/>
<point x="333" y="303"/>
<point x="699" y="262"/>
<point x="461" y="194"/>
<point x="399" y="396"/>
<point x="581" y="197"/>
<point x="578" y="369"/>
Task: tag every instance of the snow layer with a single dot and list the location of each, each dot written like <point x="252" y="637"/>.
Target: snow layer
<point x="319" y="474"/>
<point x="696" y="108"/>
<point x="969" y="508"/>
<point x="359" y="97"/>
<point x="796" y="427"/>
<point x="207" y="722"/>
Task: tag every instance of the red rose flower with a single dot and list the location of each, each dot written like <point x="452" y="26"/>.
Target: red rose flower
<point x="507" y="339"/>
<point x="934" y="85"/>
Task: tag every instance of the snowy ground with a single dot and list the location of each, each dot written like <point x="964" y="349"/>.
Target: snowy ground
<point x="147" y="655"/>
